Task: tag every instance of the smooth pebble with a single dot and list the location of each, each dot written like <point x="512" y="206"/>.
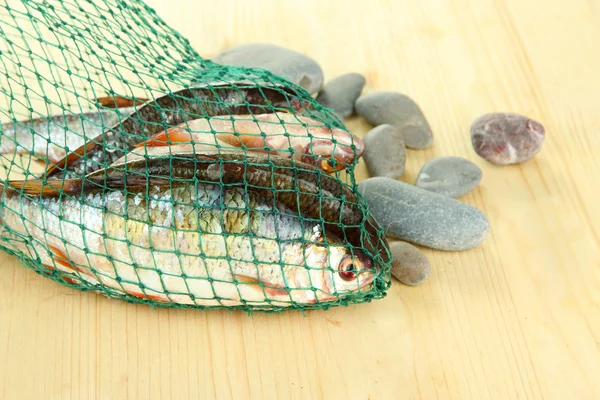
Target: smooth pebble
<point x="294" y="66"/>
<point x="384" y="151"/>
<point x="341" y="93"/>
<point x="399" y="110"/>
<point x="450" y="176"/>
<point x="506" y="138"/>
<point x="419" y="216"/>
<point x="409" y="265"/>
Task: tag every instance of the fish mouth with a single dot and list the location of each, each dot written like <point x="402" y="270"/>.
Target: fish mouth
<point x="260" y="285"/>
<point x="348" y="149"/>
<point x="343" y="152"/>
<point x="371" y="241"/>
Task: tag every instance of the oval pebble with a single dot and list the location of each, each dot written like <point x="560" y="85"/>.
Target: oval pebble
<point x="419" y="216"/>
<point x="409" y="265"/>
<point x="384" y="151"/>
<point x="506" y="138"/>
<point x="450" y="176"/>
<point x="294" y="66"/>
<point x="399" y="110"/>
<point x="341" y="93"/>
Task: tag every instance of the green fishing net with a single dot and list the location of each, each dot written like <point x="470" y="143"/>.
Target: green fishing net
<point x="133" y="167"/>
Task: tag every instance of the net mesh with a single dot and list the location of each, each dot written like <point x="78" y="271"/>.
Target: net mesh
<point x="133" y="167"/>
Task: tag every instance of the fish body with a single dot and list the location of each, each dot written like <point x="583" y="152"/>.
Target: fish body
<point x="202" y="244"/>
<point x="281" y="134"/>
<point x="170" y="110"/>
<point x="51" y="138"/>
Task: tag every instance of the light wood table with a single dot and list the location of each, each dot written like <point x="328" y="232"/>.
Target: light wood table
<point x="517" y="317"/>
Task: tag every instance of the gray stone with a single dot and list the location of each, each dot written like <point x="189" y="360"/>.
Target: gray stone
<point x="341" y="93"/>
<point x="399" y="110"/>
<point x="294" y="66"/>
<point x="450" y="176"/>
<point x="384" y="151"/>
<point x="506" y="138"/>
<point x="415" y="215"/>
<point x="409" y="265"/>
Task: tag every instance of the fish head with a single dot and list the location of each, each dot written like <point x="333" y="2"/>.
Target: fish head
<point x="333" y="269"/>
<point x="349" y="271"/>
<point x="334" y="152"/>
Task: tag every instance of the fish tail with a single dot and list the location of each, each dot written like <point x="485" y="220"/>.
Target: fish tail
<point x="120" y="101"/>
<point x="37" y="187"/>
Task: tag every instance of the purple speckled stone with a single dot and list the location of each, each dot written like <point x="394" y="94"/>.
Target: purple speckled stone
<point x="506" y="138"/>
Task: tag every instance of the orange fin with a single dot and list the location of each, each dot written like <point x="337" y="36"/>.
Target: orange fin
<point x="145" y="296"/>
<point x="48" y="188"/>
<point x="50" y="267"/>
<point x="69" y="280"/>
<point x="250" y="141"/>
<point x="166" y="137"/>
<point x="61" y="258"/>
<point x="118" y="101"/>
<point x="64" y="278"/>
<point x="276" y="292"/>
<point x="72" y="156"/>
<point x="267" y="287"/>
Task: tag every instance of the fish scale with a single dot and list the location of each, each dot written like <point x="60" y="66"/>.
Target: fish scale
<point x="145" y="231"/>
<point x="54" y="136"/>
<point x="170" y="110"/>
<point x="187" y="243"/>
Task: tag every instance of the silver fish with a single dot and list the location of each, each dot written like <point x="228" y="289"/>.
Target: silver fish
<point x="51" y="138"/>
<point x="190" y="243"/>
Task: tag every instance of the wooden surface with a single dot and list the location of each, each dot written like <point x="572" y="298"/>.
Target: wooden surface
<point x="517" y="317"/>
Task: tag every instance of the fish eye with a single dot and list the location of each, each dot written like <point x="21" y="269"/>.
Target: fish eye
<point x="348" y="268"/>
<point x="327" y="166"/>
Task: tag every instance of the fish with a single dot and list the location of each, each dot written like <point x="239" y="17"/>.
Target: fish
<point x="51" y="138"/>
<point x="281" y="134"/>
<point x="119" y="101"/>
<point x="169" y="110"/>
<point x="316" y="196"/>
<point x="188" y="240"/>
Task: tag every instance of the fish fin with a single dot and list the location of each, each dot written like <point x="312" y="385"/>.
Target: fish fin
<point x="67" y="279"/>
<point x="260" y="285"/>
<point x="72" y="156"/>
<point x="166" y="137"/>
<point x="70" y="281"/>
<point x="250" y="141"/>
<point x="132" y="181"/>
<point x="50" y="267"/>
<point x="41" y="161"/>
<point x="119" y="102"/>
<point x="61" y="258"/>
<point x="276" y="292"/>
<point x="145" y="296"/>
<point x="246" y="279"/>
<point x="49" y="188"/>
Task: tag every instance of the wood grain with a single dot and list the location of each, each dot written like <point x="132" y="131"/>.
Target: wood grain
<point x="517" y="317"/>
